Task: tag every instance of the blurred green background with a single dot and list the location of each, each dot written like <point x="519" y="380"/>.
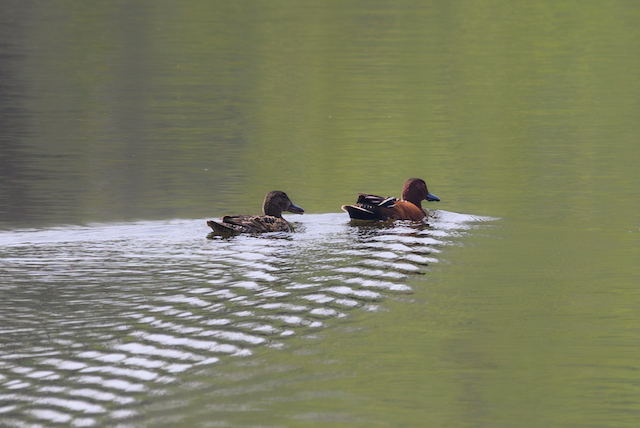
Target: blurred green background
<point x="117" y="111"/>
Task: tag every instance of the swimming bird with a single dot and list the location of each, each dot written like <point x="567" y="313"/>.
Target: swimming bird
<point x="274" y="203"/>
<point x="409" y="207"/>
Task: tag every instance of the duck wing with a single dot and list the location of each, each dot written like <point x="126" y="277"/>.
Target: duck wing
<point x="374" y="200"/>
<point x="257" y="223"/>
<point x="371" y="207"/>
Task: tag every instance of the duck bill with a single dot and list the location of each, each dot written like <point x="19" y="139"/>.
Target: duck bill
<point x="431" y="197"/>
<point x="295" y="209"/>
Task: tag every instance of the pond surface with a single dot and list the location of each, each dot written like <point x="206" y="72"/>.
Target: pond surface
<point x="125" y="127"/>
<point x="96" y="318"/>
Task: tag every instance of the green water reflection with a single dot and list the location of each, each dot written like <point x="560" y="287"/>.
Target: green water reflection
<point x="164" y="111"/>
<point x="527" y="111"/>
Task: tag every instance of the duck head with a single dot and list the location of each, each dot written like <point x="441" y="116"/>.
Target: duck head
<point x="415" y="191"/>
<point x="276" y="201"/>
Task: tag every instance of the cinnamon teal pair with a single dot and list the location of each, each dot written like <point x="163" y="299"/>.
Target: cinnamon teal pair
<point x="368" y="207"/>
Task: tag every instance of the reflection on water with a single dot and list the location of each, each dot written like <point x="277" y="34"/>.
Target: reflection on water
<point x="96" y="318"/>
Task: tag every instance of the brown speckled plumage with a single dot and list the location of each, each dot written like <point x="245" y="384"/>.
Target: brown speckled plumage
<point x="274" y="203"/>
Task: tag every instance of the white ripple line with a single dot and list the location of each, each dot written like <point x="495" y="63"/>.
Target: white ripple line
<point x="167" y="340"/>
<point x="75" y="405"/>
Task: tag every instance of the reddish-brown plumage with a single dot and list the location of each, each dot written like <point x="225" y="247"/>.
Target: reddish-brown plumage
<point x="372" y="207"/>
<point x="403" y="210"/>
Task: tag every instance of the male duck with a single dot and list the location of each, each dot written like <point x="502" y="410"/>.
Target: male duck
<point x="274" y="203"/>
<point x="371" y="207"/>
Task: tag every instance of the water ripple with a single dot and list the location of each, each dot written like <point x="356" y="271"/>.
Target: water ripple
<point x="93" y="318"/>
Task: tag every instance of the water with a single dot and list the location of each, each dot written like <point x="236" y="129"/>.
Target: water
<point x="125" y="127"/>
<point x="95" y="318"/>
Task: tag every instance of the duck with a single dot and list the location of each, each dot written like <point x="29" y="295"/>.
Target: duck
<point x="274" y="203"/>
<point x="408" y="207"/>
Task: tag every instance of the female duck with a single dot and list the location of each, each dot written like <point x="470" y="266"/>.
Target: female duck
<point x="371" y="207"/>
<point x="274" y="203"/>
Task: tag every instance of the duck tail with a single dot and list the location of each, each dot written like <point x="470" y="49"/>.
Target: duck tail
<point x="357" y="212"/>
<point x="220" y="228"/>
